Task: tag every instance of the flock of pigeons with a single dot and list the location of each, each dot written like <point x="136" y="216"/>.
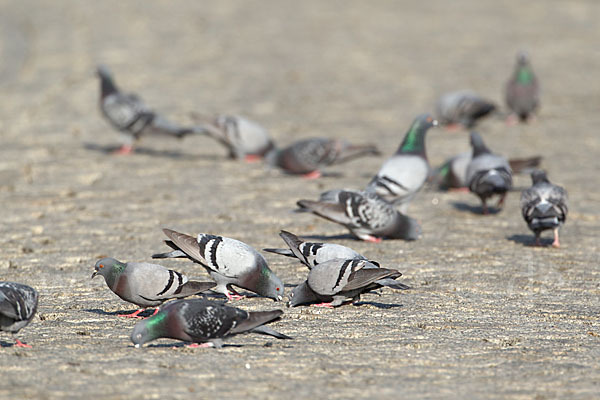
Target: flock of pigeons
<point x="337" y="274"/>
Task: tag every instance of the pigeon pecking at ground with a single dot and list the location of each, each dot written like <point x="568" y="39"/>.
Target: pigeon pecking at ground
<point x="462" y="108"/>
<point x="203" y="321"/>
<point x="244" y="139"/>
<point x="404" y="174"/>
<point x="488" y="174"/>
<point x="309" y="156"/>
<point x="18" y="304"/>
<point x="146" y="285"/>
<point x="228" y="261"/>
<point x="365" y="214"/>
<point x="339" y="280"/>
<point x="522" y="91"/>
<point x="452" y="174"/>
<point x="128" y="114"/>
<point x="544" y="206"/>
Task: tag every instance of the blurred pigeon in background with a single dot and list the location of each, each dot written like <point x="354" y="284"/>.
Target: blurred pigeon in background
<point x="488" y="174"/>
<point x="228" y="261"/>
<point x="203" y="321"/>
<point x="544" y="206"/>
<point x="522" y="92"/>
<point x="18" y="304"/>
<point x="462" y="108"/>
<point x="404" y="174"/>
<point x="146" y="285"/>
<point x="365" y="214"/>
<point x="128" y="114"/>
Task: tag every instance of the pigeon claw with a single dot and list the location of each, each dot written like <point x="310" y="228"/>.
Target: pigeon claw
<point x="324" y="305"/>
<point x="373" y="239"/>
<point x="312" y="175"/>
<point x="18" y="343"/>
<point x="252" y="158"/>
<point x="133" y="314"/>
<point x="125" y="149"/>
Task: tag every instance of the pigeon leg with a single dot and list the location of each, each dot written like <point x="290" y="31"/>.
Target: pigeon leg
<point x="234" y="296"/>
<point x="372" y="239"/>
<point x="500" y="203"/>
<point x="252" y="158"/>
<point x="324" y="305"/>
<point x="556" y="243"/>
<point x="18" y="343"/>
<point x="132" y="315"/>
<point x="512" y="120"/>
<point x="125" y="149"/>
<point x="463" y="189"/>
<point x="538" y="241"/>
<point x="312" y="175"/>
<point x="198" y="345"/>
<point x="485" y="208"/>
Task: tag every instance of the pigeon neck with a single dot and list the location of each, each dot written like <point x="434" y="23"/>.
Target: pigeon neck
<point x="156" y="326"/>
<point x="480" y="149"/>
<point x="414" y="141"/>
<point x="541" y="178"/>
<point x="108" y="86"/>
<point x="524" y="75"/>
<point x="113" y="275"/>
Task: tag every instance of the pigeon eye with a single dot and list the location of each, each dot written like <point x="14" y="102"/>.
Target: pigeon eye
<point x="277" y="289"/>
<point x="101" y="266"/>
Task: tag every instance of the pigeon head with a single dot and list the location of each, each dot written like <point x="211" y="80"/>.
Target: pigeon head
<point x="522" y="58"/>
<point x="149" y="329"/>
<point x="269" y="285"/>
<point x="523" y="72"/>
<point x="414" y="141"/>
<point x="302" y="294"/>
<point x="108" y="268"/>
<point x="539" y="176"/>
<point x="478" y="145"/>
<point x="107" y="85"/>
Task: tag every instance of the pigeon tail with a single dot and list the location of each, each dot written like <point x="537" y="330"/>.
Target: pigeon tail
<point x="256" y="319"/>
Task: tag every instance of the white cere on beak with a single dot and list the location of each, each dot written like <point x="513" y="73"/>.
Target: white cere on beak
<point x="137" y="346"/>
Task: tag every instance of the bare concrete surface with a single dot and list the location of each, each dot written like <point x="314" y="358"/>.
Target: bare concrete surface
<point x="488" y="316"/>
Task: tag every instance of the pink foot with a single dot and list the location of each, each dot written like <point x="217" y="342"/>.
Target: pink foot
<point x="312" y="175"/>
<point x="252" y="158"/>
<point x="324" y="305"/>
<point x="132" y="315"/>
<point x="125" y="149"/>
<point x="156" y="310"/>
<point x="199" y="346"/>
<point x="234" y="296"/>
<point x="453" y="127"/>
<point x="463" y="189"/>
<point x="512" y="120"/>
<point x="556" y="243"/>
<point x="372" y="239"/>
<point x="18" y="343"/>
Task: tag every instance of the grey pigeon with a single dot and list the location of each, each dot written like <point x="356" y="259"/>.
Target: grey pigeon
<point x="339" y="280"/>
<point x="544" y="206"/>
<point x="18" y="304"/>
<point x="244" y="139"/>
<point x="405" y="173"/>
<point x="309" y="156"/>
<point x="146" y="285"/>
<point x="522" y="89"/>
<point x="462" y="107"/>
<point x="452" y="174"/>
<point x="365" y="214"/>
<point x="228" y="261"/>
<point x="128" y="114"/>
<point x="312" y="253"/>
<point x="203" y="321"/>
<point x="488" y="174"/>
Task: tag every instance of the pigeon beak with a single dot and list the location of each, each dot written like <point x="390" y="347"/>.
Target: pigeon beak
<point x="94" y="274"/>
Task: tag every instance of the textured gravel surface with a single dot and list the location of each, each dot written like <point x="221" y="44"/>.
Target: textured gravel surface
<point x="489" y="316"/>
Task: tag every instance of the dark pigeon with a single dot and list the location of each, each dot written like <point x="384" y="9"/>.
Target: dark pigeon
<point x="18" y="304"/>
<point x="462" y="108"/>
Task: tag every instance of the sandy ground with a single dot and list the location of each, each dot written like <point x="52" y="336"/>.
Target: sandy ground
<point x="489" y="316"/>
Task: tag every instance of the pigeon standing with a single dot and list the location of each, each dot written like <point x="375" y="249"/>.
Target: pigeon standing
<point x="146" y="285"/>
<point x="544" y="206"/>
<point x="228" y="261"/>
<point x="462" y="107"/>
<point x="365" y="214"/>
<point x="405" y="173"/>
<point x="309" y="156"/>
<point x="18" y="304"/>
<point x="453" y="173"/>
<point x="128" y="114"/>
<point x="244" y="139"/>
<point x="488" y="174"/>
<point x="203" y="321"/>
<point x="339" y="280"/>
<point x="522" y="90"/>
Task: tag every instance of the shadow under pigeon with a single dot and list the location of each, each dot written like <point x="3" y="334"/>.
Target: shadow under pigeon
<point x="377" y="305"/>
<point x="331" y="237"/>
<point x="529" y="240"/>
<point x="143" y="314"/>
<point x="474" y="209"/>
<point x="110" y="149"/>
<point x="184" y="344"/>
<point x="6" y="344"/>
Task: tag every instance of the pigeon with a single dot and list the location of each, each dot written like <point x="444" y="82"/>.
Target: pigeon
<point x="462" y="107"/>
<point x="522" y="89"/>
<point x="18" y="304"/>
<point x="544" y="206"/>
<point x="309" y="156"/>
<point x="146" y="285"/>
<point x="311" y="253"/>
<point x="365" y="214"/>
<point x="203" y="321"/>
<point x="244" y="139"/>
<point x="453" y="173"/>
<point x="340" y="280"/>
<point x="128" y="114"/>
<point x="405" y="173"/>
<point x="488" y="174"/>
<point x="228" y="261"/>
